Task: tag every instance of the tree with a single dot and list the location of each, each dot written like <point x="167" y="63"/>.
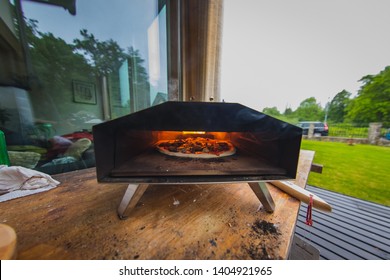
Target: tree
<point x="288" y="112"/>
<point x="104" y="56"/>
<point x="338" y="105"/>
<point x="372" y="103"/>
<point x="309" y="110"/>
<point x="107" y="57"/>
<point x="55" y="65"/>
<point x="54" y="61"/>
<point x="271" y="111"/>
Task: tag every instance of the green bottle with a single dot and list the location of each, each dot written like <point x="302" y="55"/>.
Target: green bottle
<point x="4" y="159"/>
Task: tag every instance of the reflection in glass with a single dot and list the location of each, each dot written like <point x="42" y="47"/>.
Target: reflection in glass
<point x="93" y="62"/>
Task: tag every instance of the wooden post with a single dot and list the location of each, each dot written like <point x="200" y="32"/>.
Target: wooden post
<point x="201" y="37"/>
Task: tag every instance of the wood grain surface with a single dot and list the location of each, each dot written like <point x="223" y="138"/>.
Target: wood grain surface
<point x="78" y="220"/>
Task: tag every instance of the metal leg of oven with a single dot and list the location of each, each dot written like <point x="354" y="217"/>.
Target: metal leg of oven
<point x="130" y="198"/>
<point x="261" y="191"/>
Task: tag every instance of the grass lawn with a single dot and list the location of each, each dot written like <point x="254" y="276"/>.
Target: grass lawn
<point x="361" y="171"/>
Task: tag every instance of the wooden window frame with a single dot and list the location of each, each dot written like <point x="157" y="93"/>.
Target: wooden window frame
<point x="194" y="44"/>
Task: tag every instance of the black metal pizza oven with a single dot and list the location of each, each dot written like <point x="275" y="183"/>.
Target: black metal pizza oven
<point x="266" y="148"/>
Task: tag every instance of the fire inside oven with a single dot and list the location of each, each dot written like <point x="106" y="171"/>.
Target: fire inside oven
<point x="168" y="145"/>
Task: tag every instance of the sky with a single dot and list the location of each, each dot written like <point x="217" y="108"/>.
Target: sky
<point x="125" y="21"/>
<point x="274" y="52"/>
<point x="278" y="53"/>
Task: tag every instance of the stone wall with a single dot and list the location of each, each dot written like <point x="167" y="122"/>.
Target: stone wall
<point x="350" y="141"/>
<point x="374" y="137"/>
<point x="338" y="139"/>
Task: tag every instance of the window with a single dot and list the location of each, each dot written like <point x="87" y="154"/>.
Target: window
<point x="71" y="64"/>
<point x="76" y="64"/>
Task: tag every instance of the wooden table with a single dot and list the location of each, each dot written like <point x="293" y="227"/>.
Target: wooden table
<point x="78" y="220"/>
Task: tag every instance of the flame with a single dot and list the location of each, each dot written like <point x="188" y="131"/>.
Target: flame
<point x="193" y="132"/>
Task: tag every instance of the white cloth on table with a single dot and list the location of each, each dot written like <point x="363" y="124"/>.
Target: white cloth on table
<point x="18" y="181"/>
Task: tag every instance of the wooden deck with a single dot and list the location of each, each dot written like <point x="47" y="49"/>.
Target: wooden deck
<point x="355" y="229"/>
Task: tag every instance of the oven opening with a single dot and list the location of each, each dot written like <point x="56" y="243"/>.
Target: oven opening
<point x="191" y="142"/>
<point x="195" y="153"/>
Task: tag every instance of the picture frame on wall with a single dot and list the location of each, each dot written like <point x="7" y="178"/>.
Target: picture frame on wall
<point x="84" y="92"/>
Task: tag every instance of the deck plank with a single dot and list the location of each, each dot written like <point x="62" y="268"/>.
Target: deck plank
<point x="364" y="248"/>
<point x="351" y="232"/>
<point x="369" y="212"/>
<point x="356" y="229"/>
<point x="344" y="222"/>
<point x="361" y="204"/>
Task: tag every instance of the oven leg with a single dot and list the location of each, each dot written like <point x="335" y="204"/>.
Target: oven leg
<point x="131" y="197"/>
<point x="261" y="191"/>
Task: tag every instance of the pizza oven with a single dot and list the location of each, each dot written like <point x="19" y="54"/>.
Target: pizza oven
<point x="254" y="146"/>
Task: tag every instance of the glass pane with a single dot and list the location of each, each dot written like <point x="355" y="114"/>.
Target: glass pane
<point x="88" y="62"/>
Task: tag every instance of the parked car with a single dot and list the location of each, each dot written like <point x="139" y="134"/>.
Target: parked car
<point x="319" y="128"/>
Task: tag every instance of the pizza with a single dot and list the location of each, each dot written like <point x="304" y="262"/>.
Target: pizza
<point x="196" y="147"/>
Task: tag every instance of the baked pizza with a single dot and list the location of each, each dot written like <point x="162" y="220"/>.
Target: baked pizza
<point x="196" y="147"/>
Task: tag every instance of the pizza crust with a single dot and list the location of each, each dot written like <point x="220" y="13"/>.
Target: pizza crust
<point x="200" y="155"/>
